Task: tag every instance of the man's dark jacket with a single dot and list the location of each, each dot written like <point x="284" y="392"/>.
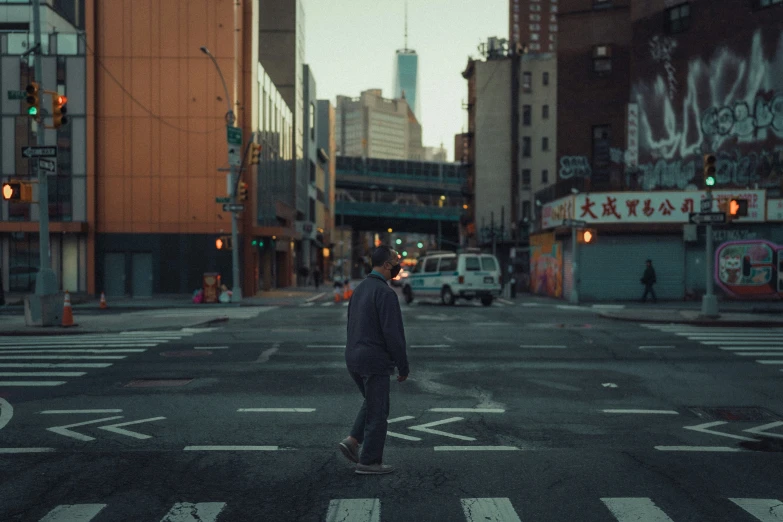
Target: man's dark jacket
<point x="649" y="276"/>
<point x="376" y="338"/>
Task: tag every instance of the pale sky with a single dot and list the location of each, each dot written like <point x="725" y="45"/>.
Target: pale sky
<point x="350" y="46"/>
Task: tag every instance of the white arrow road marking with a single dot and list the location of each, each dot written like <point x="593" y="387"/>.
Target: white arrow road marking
<point x="354" y="510"/>
<point x="656" y="412"/>
<point x="400" y="435"/>
<point x="269" y="352"/>
<point x="6" y="412"/>
<point x="724" y="449"/>
<point x="467" y="410"/>
<point x="634" y="509"/>
<point x="494" y="509"/>
<point x="761" y="430"/>
<point x="201" y="512"/>
<point x="609" y="385"/>
<point x="426" y="428"/>
<point x="73" y="513"/>
<point x="704" y="429"/>
<point x="277" y="410"/>
<point x="764" y="509"/>
<point x="116" y="428"/>
<point x="63" y="430"/>
<point x="59" y="412"/>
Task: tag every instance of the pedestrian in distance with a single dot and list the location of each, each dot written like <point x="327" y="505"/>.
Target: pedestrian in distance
<point x="376" y="345"/>
<point x="648" y="280"/>
<point x="316" y="277"/>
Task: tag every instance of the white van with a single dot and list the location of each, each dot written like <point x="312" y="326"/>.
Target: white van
<point x="451" y="276"/>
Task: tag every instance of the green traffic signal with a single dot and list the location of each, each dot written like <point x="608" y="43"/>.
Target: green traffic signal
<point x="32" y="111"/>
<point x="420" y="244"/>
<point x="399" y="241"/>
<point x="710" y="181"/>
<point x="404" y="253"/>
<point x="254" y="242"/>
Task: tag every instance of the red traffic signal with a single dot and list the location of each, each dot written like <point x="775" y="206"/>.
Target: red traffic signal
<point x="59" y="110"/>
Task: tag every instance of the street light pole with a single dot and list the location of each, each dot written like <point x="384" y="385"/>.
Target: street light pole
<point x="236" y="292"/>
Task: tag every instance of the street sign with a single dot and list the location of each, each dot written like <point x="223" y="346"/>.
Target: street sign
<point x="706" y="204"/>
<point x="223" y="200"/>
<point x="233" y="207"/>
<point x="578" y="223"/>
<point x="234" y="156"/>
<point x="234" y="135"/>
<point x="707" y="218"/>
<point x="48" y="165"/>
<point x="39" y="152"/>
<point x="17" y="95"/>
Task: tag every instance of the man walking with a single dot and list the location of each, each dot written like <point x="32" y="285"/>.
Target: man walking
<point x="648" y="280"/>
<point x="376" y="344"/>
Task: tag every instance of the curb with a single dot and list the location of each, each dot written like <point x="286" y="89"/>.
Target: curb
<point x="75" y="331"/>
<point x="697" y="322"/>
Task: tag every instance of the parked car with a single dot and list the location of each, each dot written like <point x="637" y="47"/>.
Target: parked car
<point x="451" y="276"/>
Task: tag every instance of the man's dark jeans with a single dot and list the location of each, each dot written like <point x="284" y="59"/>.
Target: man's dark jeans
<point x="648" y="289"/>
<point x="370" y="425"/>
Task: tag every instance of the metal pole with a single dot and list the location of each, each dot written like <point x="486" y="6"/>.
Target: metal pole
<point x="574" y="299"/>
<point x="46" y="281"/>
<point x="709" y="303"/>
<point x="236" y="292"/>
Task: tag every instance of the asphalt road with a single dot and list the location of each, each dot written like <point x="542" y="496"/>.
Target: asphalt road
<point x="511" y="412"/>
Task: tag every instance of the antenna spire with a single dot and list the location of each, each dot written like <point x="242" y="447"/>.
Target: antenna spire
<point x="406" y="25"/>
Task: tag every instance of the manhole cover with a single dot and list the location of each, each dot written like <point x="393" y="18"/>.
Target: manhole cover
<point x="188" y="353"/>
<point x="734" y="413"/>
<point x="150" y="383"/>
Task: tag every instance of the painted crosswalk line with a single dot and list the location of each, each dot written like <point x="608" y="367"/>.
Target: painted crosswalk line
<point x="73" y="513"/>
<point x="634" y="509"/>
<point x="354" y="510"/>
<point x="764" y="509"/>
<point x="201" y="512"/>
<point x="489" y="509"/>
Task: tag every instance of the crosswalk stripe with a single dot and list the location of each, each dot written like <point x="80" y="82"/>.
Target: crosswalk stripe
<point x="764" y="509"/>
<point x="354" y="510"/>
<point x="764" y="354"/>
<point x="489" y="509"/>
<point x="743" y="343"/>
<point x="750" y="348"/>
<point x="306" y="305"/>
<point x="75" y="345"/>
<point x="773" y="361"/>
<point x="55" y="365"/>
<point x="26" y="357"/>
<point x="200" y="512"/>
<point x="42" y="374"/>
<point x="328" y="304"/>
<point x="73" y="513"/>
<point x="634" y="509"/>
<point x="86" y="350"/>
<point x="30" y="383"/>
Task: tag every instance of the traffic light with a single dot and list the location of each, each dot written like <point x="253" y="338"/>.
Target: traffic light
<point x="709" y="170"/>
<point x="737" y="208"/>
<point x="17" y="191"/>
<point x="257" y="243"/>
<point x="59" y="110"/>
<point x="242" y="195"/>
<point x="223" y="243"/>
<point x="33" y="100"/>
<point x="587" y="236"/>
<point x="255" y="153"/>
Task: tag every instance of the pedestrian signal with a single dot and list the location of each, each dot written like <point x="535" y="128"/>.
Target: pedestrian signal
<point x="17" y="191"/>
<point x="587" y="236"/>
<point x="223" y="243"/>
<point x="738" y="207"/>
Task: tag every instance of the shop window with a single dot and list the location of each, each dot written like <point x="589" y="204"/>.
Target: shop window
<point x="679" y="18"/>
<point x="23" y="262"/>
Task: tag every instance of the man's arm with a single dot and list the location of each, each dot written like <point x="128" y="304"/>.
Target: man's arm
<point x="390" y="317"/>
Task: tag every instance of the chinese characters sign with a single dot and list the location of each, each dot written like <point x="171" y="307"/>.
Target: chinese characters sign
<point x="645" y="207"/>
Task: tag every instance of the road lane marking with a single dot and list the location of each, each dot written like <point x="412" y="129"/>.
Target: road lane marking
<point x="27" y="357"/>
<point x="42" y="374"/>
<point x="354" y="510"/>
<point x="401" y="435"/>
<point x="498" y="323"/>
<point x="780" y="361"/>
<point x="346" y="303"/>
<point x="558" y="346"/>
<point x="609" y="385"/>
<point x="476" y="448"/>
<point x="31" y="383"/>
<point x="656" y="347"/>
<point x="116" y="428"/>
<point x="62" y="412"/>
<point x="55" y="365"/>
<point x="653" y="412"/>
<point x="73" y="513"/>
<point x="231" y="448"/>
<point x="634" y="509"/>
<point x="762" y="430"/>
<point x="764" y="354"/>
<point x="449" y="339"/>
<point x="86" y="345"/>
<point x="328" y="304"/>
<point x="723" y="449"/>
<point x="200" y="512"/>
<point x="530" y="304"/>
<point x="277" y="410"/>
<point x="744" y="343"/>
<point x="26" y="450"/>
<point x="326" y="346"/>
<point x="430" y="346"/>
<point x="746" y="348"/>
<point x="315" y="297"/>
<point x="210" y="347"/>
<point x="83" y="350"/>
<point x="269" y="352"/>
<point x="608" y="306"/>
<point x="6" y="412"/>
<point x="63" y="430"/>
<point x="764" y="509"/>
<point x="505" y="301"/>
<point x="485" y="509"/>
<point x="467" y="410"/>
<point x="427" y="428"/>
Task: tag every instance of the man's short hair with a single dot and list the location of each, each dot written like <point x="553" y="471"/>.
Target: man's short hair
<point x="381" y="254"/>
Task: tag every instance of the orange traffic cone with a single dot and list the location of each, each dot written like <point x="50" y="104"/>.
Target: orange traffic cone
<point x="67" y="311"/>
<point x="104" y="306"/>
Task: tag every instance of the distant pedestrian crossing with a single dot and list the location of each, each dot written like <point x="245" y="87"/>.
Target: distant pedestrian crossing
<point x="207" y="312"/>
<point x="500" y="303"/>
<point x="44" y="361"/>
<point x="765" y="345"/>
<point x="494" y="509"/>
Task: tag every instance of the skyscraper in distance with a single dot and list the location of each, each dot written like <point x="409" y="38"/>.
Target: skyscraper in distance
<point x="406" y="74"/>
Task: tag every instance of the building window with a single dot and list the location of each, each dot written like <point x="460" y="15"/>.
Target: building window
<point x="602" y="59"/>
<point x="527" y="81"/>
<point x="761" y="4"/>
<point x="546" y="78"/>
<point x="679" y="18"/>
<point x="602" y="4"/>
<point x="545" y="112"/>
<point x="545" y="176"/>
<point x="526" y="146"/>
<point x="525" y="178"/>
<point x="544" y="144"/>
<point x="526" y="115"/>
<point x="526" y="210"/>
<point x="312" y="121"/>
<point x="601" y="152"/>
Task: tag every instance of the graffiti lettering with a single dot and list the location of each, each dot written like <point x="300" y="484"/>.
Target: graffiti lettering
<point x="661" y="50"/>
<point x="667" y="174"/>
<point x="574" y="167"/>
<point x="740" y="121"/>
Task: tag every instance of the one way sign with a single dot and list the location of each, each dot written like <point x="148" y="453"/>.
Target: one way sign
<point x="39" y="152"/>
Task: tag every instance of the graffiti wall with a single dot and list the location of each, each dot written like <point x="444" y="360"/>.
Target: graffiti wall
<point x="546" y="266"/>
<point x="696" y="96"/>
<point x="750" y="269"/>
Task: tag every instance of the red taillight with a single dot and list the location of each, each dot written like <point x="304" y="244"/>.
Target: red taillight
<point x="461" y="280"/>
